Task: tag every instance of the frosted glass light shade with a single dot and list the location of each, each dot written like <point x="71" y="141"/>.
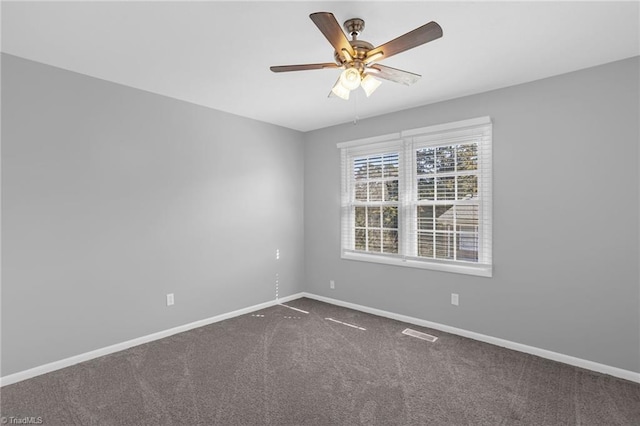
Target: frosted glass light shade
<point x="350" y="78"/>
<point x="340" y="91"/>
<point x="370" y="84"/>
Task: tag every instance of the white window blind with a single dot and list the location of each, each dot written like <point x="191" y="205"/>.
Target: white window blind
<point x="420" y="198"/>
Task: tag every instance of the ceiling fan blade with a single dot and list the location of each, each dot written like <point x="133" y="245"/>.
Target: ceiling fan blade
<point x="392" y="74"/>
<point x="304" y="67"/>
<point x="328" y="26"/>
<point x="421" y="35"/>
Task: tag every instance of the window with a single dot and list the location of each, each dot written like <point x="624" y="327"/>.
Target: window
<point x="376" y="203"/>
<point x="420" y="198"/>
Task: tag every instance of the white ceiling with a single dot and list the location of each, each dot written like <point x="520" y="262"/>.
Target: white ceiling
<point x="218" y="54"/>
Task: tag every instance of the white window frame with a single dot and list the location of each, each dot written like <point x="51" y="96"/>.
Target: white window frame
<point x="406" y="143"/>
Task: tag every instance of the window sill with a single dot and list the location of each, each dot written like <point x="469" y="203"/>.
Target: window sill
<point x="477" y="270"/>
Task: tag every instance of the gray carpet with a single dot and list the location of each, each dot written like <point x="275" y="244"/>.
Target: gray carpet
<point x="290" y="368"/>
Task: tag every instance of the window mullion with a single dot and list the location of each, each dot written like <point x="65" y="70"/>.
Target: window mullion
<point x="455" y="202"/>
<point x="408" y="229"/>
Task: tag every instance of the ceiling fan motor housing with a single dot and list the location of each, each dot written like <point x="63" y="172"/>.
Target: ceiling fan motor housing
<point x="354" y="28"/>
<point x="360" y="47"/>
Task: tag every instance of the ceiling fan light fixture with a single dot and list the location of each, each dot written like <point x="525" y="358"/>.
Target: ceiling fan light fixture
<point x="370" y="84"/>
<point x="340" y="91"/>
<point x="355" y="55"/>
<point x="350" y="78"/>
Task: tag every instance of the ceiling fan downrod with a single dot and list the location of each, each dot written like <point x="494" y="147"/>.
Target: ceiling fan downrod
<point x="354" y="27"/>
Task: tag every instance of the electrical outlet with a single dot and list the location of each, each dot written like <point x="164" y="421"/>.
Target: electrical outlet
<point x="170" y="300"/>
<point x="454" y="299"/>
<point x="332" y="284"/>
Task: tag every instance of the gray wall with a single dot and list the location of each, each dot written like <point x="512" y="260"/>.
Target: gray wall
<point x="565" y="219"/>
<point x="113" y="197"/>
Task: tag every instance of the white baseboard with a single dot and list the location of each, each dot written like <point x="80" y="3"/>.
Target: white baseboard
<point x="67" y="362"/>
<point x="543" y="353"/>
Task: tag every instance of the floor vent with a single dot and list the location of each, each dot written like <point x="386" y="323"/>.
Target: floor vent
<point x="419" y="335"/>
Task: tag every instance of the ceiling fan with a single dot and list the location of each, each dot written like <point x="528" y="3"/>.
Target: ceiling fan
<point x="358" y="58"/>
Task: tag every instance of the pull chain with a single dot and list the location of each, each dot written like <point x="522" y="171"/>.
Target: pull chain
<point x="355" y="108"/>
